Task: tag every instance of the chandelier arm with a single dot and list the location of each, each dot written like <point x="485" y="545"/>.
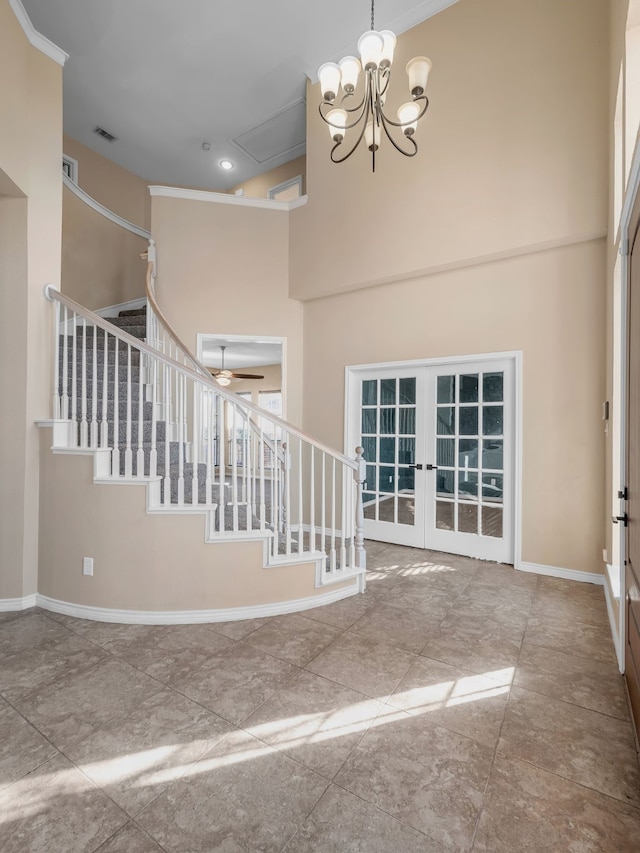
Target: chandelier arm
<point x="352" y="109"/>
<point x="364" y="118"/>
<point x="383" y="75"/>
<point x="394" y="143"/>
<point x="364" y="107"/>
<point x="425" y="107"/>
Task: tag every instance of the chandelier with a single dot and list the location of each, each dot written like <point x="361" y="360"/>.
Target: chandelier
<point x="367" y="119"/>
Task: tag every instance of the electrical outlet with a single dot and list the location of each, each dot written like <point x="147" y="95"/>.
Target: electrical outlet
<point x="87" y="566"/>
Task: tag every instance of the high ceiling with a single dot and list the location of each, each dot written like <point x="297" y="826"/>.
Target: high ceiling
<point x="165" y="76"/>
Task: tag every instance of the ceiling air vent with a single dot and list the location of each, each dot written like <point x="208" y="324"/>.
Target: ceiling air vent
<point x="104" y="134"/>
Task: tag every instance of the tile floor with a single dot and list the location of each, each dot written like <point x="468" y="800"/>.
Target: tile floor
<point x="455" y="706"/>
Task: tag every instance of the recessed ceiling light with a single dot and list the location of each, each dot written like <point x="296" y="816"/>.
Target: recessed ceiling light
<point x="226" y="164"/>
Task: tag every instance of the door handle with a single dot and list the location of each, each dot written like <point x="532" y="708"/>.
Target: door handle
<point x="419" y="467"/>
<point x="623" y="518"/>
<point x="432" y="467"/>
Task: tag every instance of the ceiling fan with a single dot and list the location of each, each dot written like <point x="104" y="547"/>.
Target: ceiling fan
<point x="224" y="377"/>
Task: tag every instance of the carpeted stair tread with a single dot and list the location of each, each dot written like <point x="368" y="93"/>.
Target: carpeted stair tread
<point x="133" y="312"/>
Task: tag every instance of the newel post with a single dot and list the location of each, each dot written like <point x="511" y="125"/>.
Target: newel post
<point x="360" y="475"/>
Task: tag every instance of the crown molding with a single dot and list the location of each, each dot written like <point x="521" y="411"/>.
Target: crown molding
<point x="104" y="211"/>
<point x="224" y="198"/>
<point x="34" y="37"/>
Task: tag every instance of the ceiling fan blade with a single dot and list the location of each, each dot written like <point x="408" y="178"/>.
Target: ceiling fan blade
<point x="246" y="376"/>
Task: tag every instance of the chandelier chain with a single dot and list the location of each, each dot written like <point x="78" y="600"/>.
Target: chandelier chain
<point x="372" y="21"/>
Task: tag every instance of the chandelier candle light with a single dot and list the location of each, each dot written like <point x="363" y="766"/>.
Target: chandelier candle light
<point x="368" y="117"/>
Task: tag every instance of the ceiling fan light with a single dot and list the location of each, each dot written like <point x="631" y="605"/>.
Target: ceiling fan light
<point x="329" y="76"/>
<point x="418" y="70"/>
<point x="388" y="47"/>
<point x="408" y="117"/>
<point x="223" y="380"/>
<point x="370" y="47"/>
<point x="350" y="70"/>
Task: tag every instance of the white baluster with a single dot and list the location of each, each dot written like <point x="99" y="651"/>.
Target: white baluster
<point x="360" y="475"/>
<point x="312" y="500"/>
<point x="153" y="453"/>
<point x="352" y="508"/>
<point x="343" y="515"/>
<point x="323" y="504"/>
<point x="65" y="368"/>
<point x="93" y="431"/>
<point x="56" y="410"/>
<point x="222" y="464"/>
<point x="74" y="380"/>
<point x="166" y="399"/>
<point x="115" y="455"/>
<point x="287" y="497"/>
<point x="104" y="425"/>
<point x="140" y="453"/>
<point x="234" y="467"/>
<point x="300" y="509"/>
<point x="261" y="464"/>
<point x="195" y="442"/>
<point x="128" y="452"/>
<point x="208" y="449"/>
<point x="332" y="552"/>
<point x="181" y="437"/>
<point x="84" y="427"/>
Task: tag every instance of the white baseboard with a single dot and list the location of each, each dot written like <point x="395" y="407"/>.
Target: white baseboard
<point x="23" y="603"/>
<point x="187" y="617"/>
<point x="613" y="624"/>
<point x="567" y="574"/>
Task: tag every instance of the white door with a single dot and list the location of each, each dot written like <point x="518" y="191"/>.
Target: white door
<point x="439" y="445"/>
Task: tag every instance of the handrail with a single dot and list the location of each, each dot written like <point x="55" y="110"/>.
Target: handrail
<point x="102" y="210"/>
<point x="54" y="295"/>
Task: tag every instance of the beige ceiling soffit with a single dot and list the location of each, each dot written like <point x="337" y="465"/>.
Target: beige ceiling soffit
<point x="223" y="198"/>
<point x="35" y="38"/>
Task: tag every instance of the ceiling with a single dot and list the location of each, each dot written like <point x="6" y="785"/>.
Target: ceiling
<point x="165" y="76"/>
<point x="240" y="352"/>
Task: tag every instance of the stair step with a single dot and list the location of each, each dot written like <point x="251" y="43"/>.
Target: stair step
<point x="79" y="341"/>
<point x="133" y="312"/>
<point x="128" y="320"/>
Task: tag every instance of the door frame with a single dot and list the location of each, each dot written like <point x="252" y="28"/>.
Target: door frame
<point x="351" y="377"/>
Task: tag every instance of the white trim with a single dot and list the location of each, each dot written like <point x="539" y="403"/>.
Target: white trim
<point x="437" y="360"/>
<point x="114" y="310"/>
<point x="104" y="211"/>
<point x="272" y="192"/>
<point x="73" y="166"/>
<point x="187" y="617"/>
<point x="225" y="198"/>
<point x="618" y="639"/>
<point x="556" y="572"/>
<point x="35" y="38"/>
<point x="24" y="603"/>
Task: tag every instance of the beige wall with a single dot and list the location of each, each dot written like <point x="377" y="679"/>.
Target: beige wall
<point x="116" y="188"/>
<point x="259" y="186"/>
<point x="491" y="239"/>
<point x="550" y="305"/>
<point x="101" y="262"/>
<point x="223" y="271"/>
<point x="513" y="150"/>
<point x="30" y="159"/>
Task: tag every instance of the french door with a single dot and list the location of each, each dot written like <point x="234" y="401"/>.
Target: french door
<point x="439" y="445"/>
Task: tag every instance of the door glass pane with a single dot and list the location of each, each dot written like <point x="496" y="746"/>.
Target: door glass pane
<point x="370" y="482"/>
<point x="492" y="387"/>
<point x="444" y="515"/>
<point x="492" y="487"/>
<point x="408" y="390"/>
<point x="492" y="521"/>
<point x="467" y="485"/>
<point x="387" y="421"/>
<point x="446" y="420"/>
<point x="444" y="483"/>
<point x="387" y="509"/>
<point x="406" y="451"/>
<point x="445" y="452"/>
<point x="368" y="421"/>
<point x="446" y="389"/>
<point x="387" y="450"/>
<point x="369" y="392"/>
<point x="406" y="511"/>
<point x="468" y="420"/>
<point x="469" y="388"/>
<point x="388" y="392"/>
<point x="468" y="453"/>
<point x="406" y="479"/>
<point x="407" y="424"/>
<point x="492" y="454"/>
<point x="369" y="448"/>
<point x="492" y="420"/>
<point x="387" y="479"/>
<point x="467" y="518"/>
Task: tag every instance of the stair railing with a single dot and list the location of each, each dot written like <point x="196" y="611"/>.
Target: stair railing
<point x="163" y="432"/>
